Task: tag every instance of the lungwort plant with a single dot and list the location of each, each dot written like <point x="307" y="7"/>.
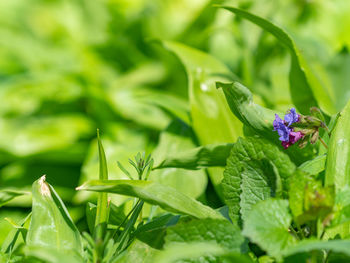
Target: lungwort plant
<point x="279" y="182"/>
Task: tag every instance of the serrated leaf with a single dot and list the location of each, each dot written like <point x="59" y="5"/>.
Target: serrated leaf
<point x="221" y="232"/>
<point x="166" y="197"/>
<point x="177" y="252"/>
<point x="51" y="226"/>
<point x="267" y="226"/>
<point x="256" y="170"/>
<point x="338" y="157"/>
<point x="306" y="89"/>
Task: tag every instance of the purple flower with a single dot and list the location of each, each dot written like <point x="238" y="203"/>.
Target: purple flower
<point x="291" y="117"/>
<point x="287" y="134"/>
<point x="281" y="128"/>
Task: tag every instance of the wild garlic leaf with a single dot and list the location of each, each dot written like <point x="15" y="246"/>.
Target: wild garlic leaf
<point x="338" y="157"/>
<point x="306" y="89"/>
<point x="267" y="226"/>
<point x="256" y="170"/>
<point x="211" y="118"/>
<point x="154" y="193"/>
<point x="51" y="226"/>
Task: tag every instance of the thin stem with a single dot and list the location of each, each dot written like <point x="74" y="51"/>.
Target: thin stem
<point x="323" y="142"/>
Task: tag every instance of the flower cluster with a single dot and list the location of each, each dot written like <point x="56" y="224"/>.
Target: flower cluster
<point x="287" y="134"/>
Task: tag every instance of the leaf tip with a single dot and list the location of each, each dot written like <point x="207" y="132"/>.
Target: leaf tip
<point x="44" y="188"/>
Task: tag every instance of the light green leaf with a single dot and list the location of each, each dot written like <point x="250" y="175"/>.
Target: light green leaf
<point x="341" y="208"/>
<point x="306" y="89"/>
<point x="256" y="170"/>
<point x="137" y="252"/>
<point x="166" y="197"/>
<point x="102" y="202"/>
<point x="176" y="138"/>
<point x="267" y="226"/>
<point x="308" y="199"/>
<point x="51" y="255"/>
<point x="212" y="120"/>
<point x="51" y="226"/>
<point x="314" y="166"/>
<point x="200" y="157"/>
<point x="7" y="195"/>
<point x="338" y="157"/>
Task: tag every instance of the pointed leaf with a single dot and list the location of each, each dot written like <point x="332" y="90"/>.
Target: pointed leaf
<point x="166" y="197"/>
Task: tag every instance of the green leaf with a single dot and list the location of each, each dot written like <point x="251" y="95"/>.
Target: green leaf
<point x="335" y="246"/>
<point x="341" y="208"/>
<point x="137" y="252"/>
<point x="314" y="166"/>
<point x="338" y="157"/>
<point x="211" y="118"/>
<point x="308" y="199"/>
<point x="178" y="251"/>
<point x="176" y="138"/>
<point x="256" y="170"/>
<point x="7" y="195"/>
<point x="102" y="202"/>
<point x="306" y="89"/>
<point x="51" y="225"/>
<point x="51" y="255"/>
<point x="267" y="226"/>
<point x="166" y="197"/>
<point x="196" y="158"/>
<point x="217" y="231"/>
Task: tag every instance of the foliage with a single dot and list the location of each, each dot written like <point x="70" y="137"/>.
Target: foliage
<point x="193" y="91"/>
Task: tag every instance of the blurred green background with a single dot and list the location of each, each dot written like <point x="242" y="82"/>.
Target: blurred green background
<point x="70" y="67"/>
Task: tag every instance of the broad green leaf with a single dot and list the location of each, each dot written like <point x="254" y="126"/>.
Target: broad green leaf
<point x="212" y="120"/>
<point x="42" y="134"/>
<point x="200" y="157"/>
<point x="308" y="199"/>
<point x="256" y="170"/>
<point x="51" y="226"/>
<point x="314" y="166"/>
<point x="177" y="252"/>
<point x="306" y="89"/>
<point x="338" y="157"/>
<point x="102" y="202"/>
<point x="8" y="195"/>
<point x="51" y="255"/>
<point x="166" y="197"/>
<point x="220" y="232"/>
<point x="341" y="208"/>
<point x="176" y="138"/>
<point x="258" y="119"/>
<point x="137" y="252"/>
<point x="307" y="246"/>
<point x="267" y="225"/>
